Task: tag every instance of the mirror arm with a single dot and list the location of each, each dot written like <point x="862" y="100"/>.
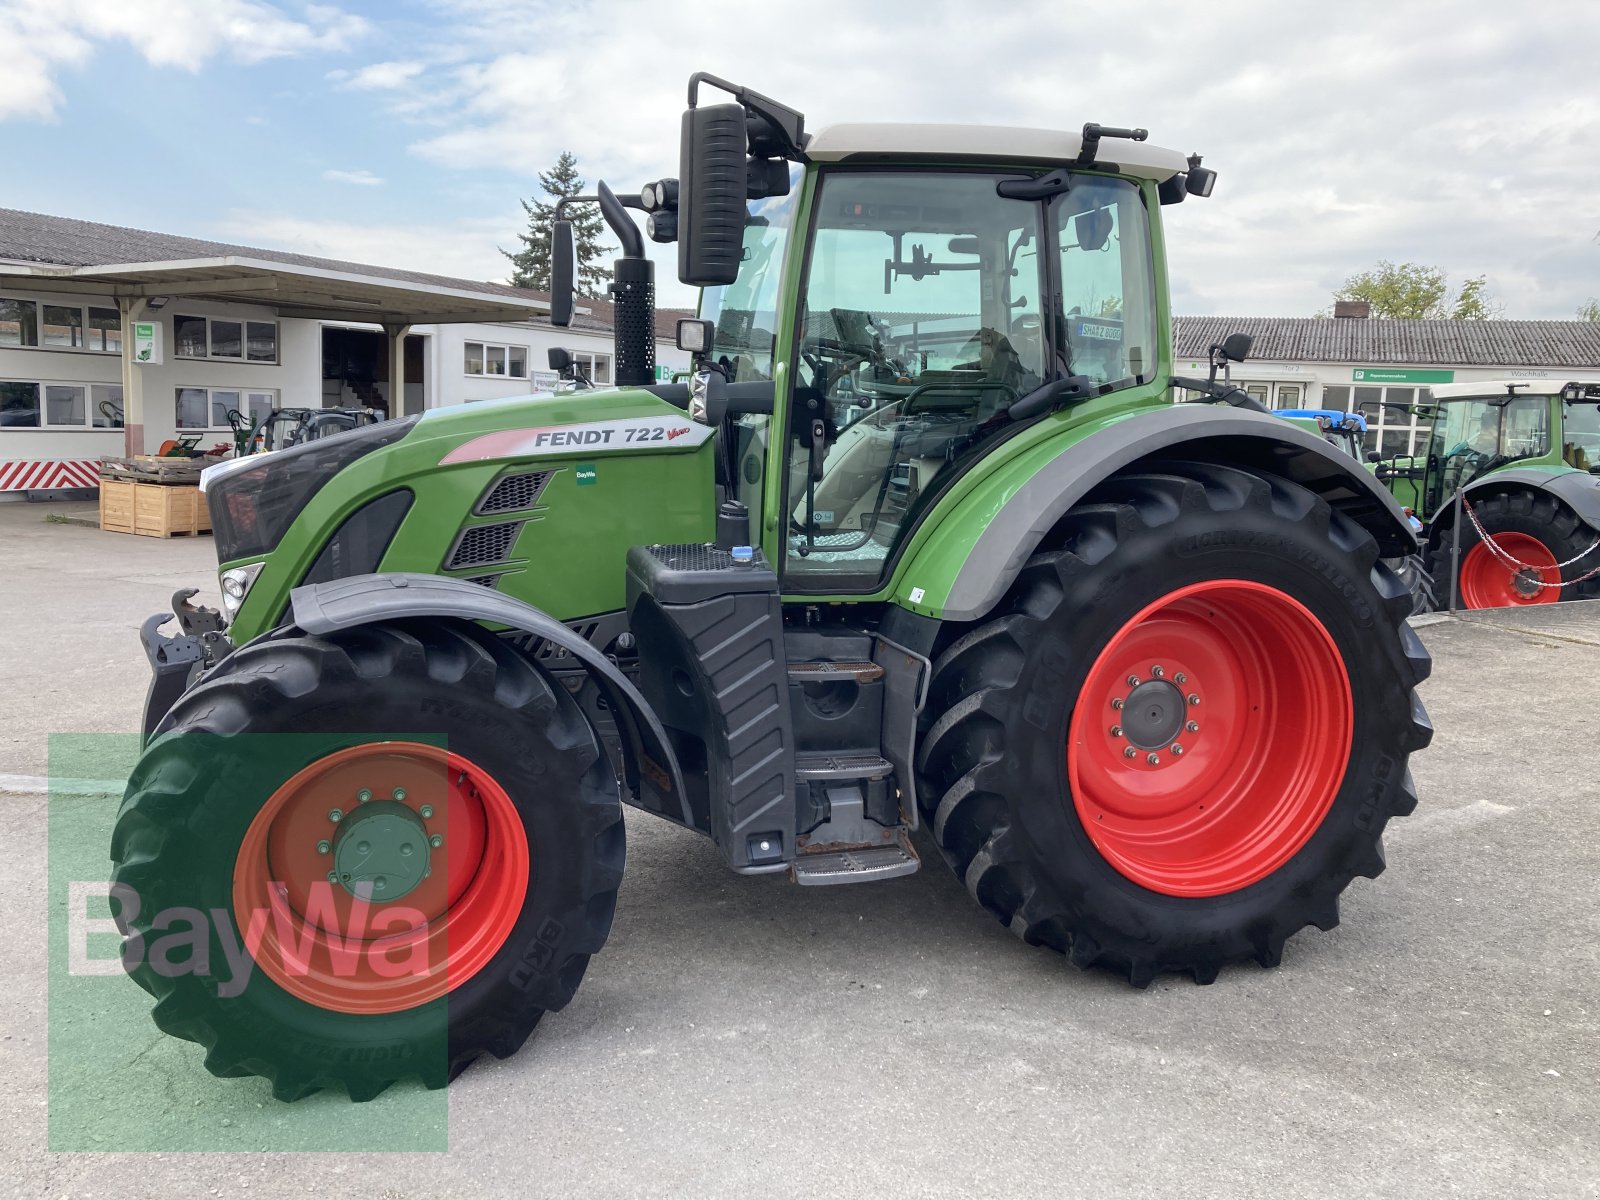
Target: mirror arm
<point x="621" y="224"/>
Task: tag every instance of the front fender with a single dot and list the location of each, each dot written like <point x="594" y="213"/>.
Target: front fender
<point x="649" y="766"/>
<point x="971" y="558"/>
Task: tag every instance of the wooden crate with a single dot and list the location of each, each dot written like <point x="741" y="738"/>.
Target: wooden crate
<point x="152" y="509"/>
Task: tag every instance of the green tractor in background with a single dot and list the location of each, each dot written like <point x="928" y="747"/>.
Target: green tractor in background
<point x="924" y="544"/>
<point x="1525" y="462"/>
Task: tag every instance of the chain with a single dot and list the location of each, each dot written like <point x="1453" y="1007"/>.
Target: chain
<point x="1518" y="566"/>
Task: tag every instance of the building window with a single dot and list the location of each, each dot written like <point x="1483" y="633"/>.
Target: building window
<point x="225" y="338"/>
<point x="64" y="326"/>
<point x="482" y="358"/>
<point x="1392" y="431"/>
<point x="208" y="408"/>
<point x="597" y="367"/>
<point x="105" y="330"/>
<point x="27" y="404"/>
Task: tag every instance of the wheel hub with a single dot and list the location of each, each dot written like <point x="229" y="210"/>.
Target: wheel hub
<point x="1526" y="583"/>
<point x="1153" y="714"/>
<point x="381" y="851"/>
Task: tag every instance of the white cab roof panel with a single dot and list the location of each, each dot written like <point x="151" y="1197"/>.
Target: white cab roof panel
<point x="1497" y="387"/>
<point x="992" y="143"/>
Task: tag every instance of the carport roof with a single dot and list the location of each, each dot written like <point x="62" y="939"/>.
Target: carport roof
<point x="66" y="255"/>
<point x="1419" y="343"/>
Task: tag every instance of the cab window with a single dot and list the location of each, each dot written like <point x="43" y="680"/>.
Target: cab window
<point x="920" y="324"/>
<point x="1107" y="284"/>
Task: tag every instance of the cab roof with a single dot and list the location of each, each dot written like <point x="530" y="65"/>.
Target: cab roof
<point x="987" y="143"/>
<point x="1493" y="388"/>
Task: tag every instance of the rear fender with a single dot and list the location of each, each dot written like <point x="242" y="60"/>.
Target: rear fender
<point x="965" y="567"/>
<point x="1578" y="490"/>
<point x="649" y="766"/>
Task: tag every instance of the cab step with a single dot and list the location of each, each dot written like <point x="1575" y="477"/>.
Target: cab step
<point x="825" y="867"/>
<point x="817" y="767"/>
<point x="824" y="672"/>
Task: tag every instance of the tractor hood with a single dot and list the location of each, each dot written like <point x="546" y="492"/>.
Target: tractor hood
<point x="538" y="496"/>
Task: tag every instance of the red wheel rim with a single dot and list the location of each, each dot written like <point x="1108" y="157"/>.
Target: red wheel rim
<point x="1210" y="738"/>
<point x="460" y="855"/>
<point x="1488" y="581"/>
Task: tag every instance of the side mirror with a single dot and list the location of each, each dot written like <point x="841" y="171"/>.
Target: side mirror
<point x="560" y="359"/>
<point x="713" y="178"/>
<point x="1199" y="181"/>
<point x="1092" y="228"/>
<point x="563" y="272"/>
<point x="1236" y="347"/>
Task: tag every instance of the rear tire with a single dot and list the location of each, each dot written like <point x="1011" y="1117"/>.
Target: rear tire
<point x="523" y="840"/>
<point x="1188" y="561"/>
<point x="1533" y="528"/>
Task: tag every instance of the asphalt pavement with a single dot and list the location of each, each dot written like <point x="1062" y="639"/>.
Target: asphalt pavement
<point x="743" y="1036"/>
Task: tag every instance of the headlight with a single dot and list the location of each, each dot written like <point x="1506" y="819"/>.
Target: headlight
<point x="236" y="583"/>
<point x="254" y="502"/>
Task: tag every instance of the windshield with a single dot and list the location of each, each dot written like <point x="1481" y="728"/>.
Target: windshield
<point x="746" y="310"/>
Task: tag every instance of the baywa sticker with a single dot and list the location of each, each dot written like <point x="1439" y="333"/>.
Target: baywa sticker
<point x="586" y="474"/>
<point x="590" y="437"/>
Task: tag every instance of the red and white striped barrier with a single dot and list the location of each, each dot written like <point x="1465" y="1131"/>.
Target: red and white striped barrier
<point x="25" y="475"/>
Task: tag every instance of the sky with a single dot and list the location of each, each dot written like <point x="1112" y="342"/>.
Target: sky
<point x="1463" y="135"/>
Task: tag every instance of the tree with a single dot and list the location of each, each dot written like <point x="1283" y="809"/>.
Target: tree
<point x="1589" y="310"/>
<point x="530" y="266"/>
<point x="1412" y="291"/>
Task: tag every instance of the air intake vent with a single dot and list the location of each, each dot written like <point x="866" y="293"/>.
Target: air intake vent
<point x="513" y="493"/>
<point x="484" y="581"/>
<point x="482" y="545"/>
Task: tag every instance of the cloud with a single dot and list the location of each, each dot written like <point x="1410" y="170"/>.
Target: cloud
<point x="462" y="248"/>
<point x="1338" y="141"/>
<point x="380" y="76"/>
<point x="358" y="177"/>
<point x="45" y="35"/>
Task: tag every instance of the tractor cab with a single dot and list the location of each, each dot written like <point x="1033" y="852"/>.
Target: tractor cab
<point x="1480" y="428"/>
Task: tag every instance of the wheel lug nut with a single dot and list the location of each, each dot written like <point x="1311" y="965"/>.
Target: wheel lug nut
<point x="324" y="847"/>
<point x="1129" y="752"/>
<point x="436" y="840"/>
<point x="399" y="793"/>
<point x="1193" y="699"/>
<point x="1157" y="672"/>
<point x="333" y="877"/>
<point x="335" y="815"/>
<point x="1176" y="749"/>
<point x="1133" y="681"/>
<point x="1180" y="677"/>
<point x="1152" y="758"/>
<point x="1116" y="731"/>
<point x="1117" y="703"/>
<point x="1193" y="726"/>
<point x="363" y="795"/>
<point x="426" y="811"/>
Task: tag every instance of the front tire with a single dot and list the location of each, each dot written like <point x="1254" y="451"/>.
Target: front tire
<point x="397" y="846"/>
<point x="1101" y="808"/>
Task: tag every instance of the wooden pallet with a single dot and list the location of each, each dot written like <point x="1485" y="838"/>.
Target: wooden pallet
<point x="149" y="468"/>
<point x="152" y="509"/>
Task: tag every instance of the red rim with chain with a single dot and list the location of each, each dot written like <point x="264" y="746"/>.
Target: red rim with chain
<point x="1211" y="736"/>
<point x="1488" y="581"/>
<point x="381" y="877"/>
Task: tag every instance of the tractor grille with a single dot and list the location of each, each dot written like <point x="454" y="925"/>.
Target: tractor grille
<point x="484" y="581"/>
<point x="513" y="493"/>
<point x="482" y="545"/>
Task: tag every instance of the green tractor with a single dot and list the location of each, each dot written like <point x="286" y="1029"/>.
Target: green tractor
<point x="923" y="544"/>
<point x="1510" y="484"/>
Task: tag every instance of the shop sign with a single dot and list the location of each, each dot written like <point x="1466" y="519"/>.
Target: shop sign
<point x="1400" y="375"/>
